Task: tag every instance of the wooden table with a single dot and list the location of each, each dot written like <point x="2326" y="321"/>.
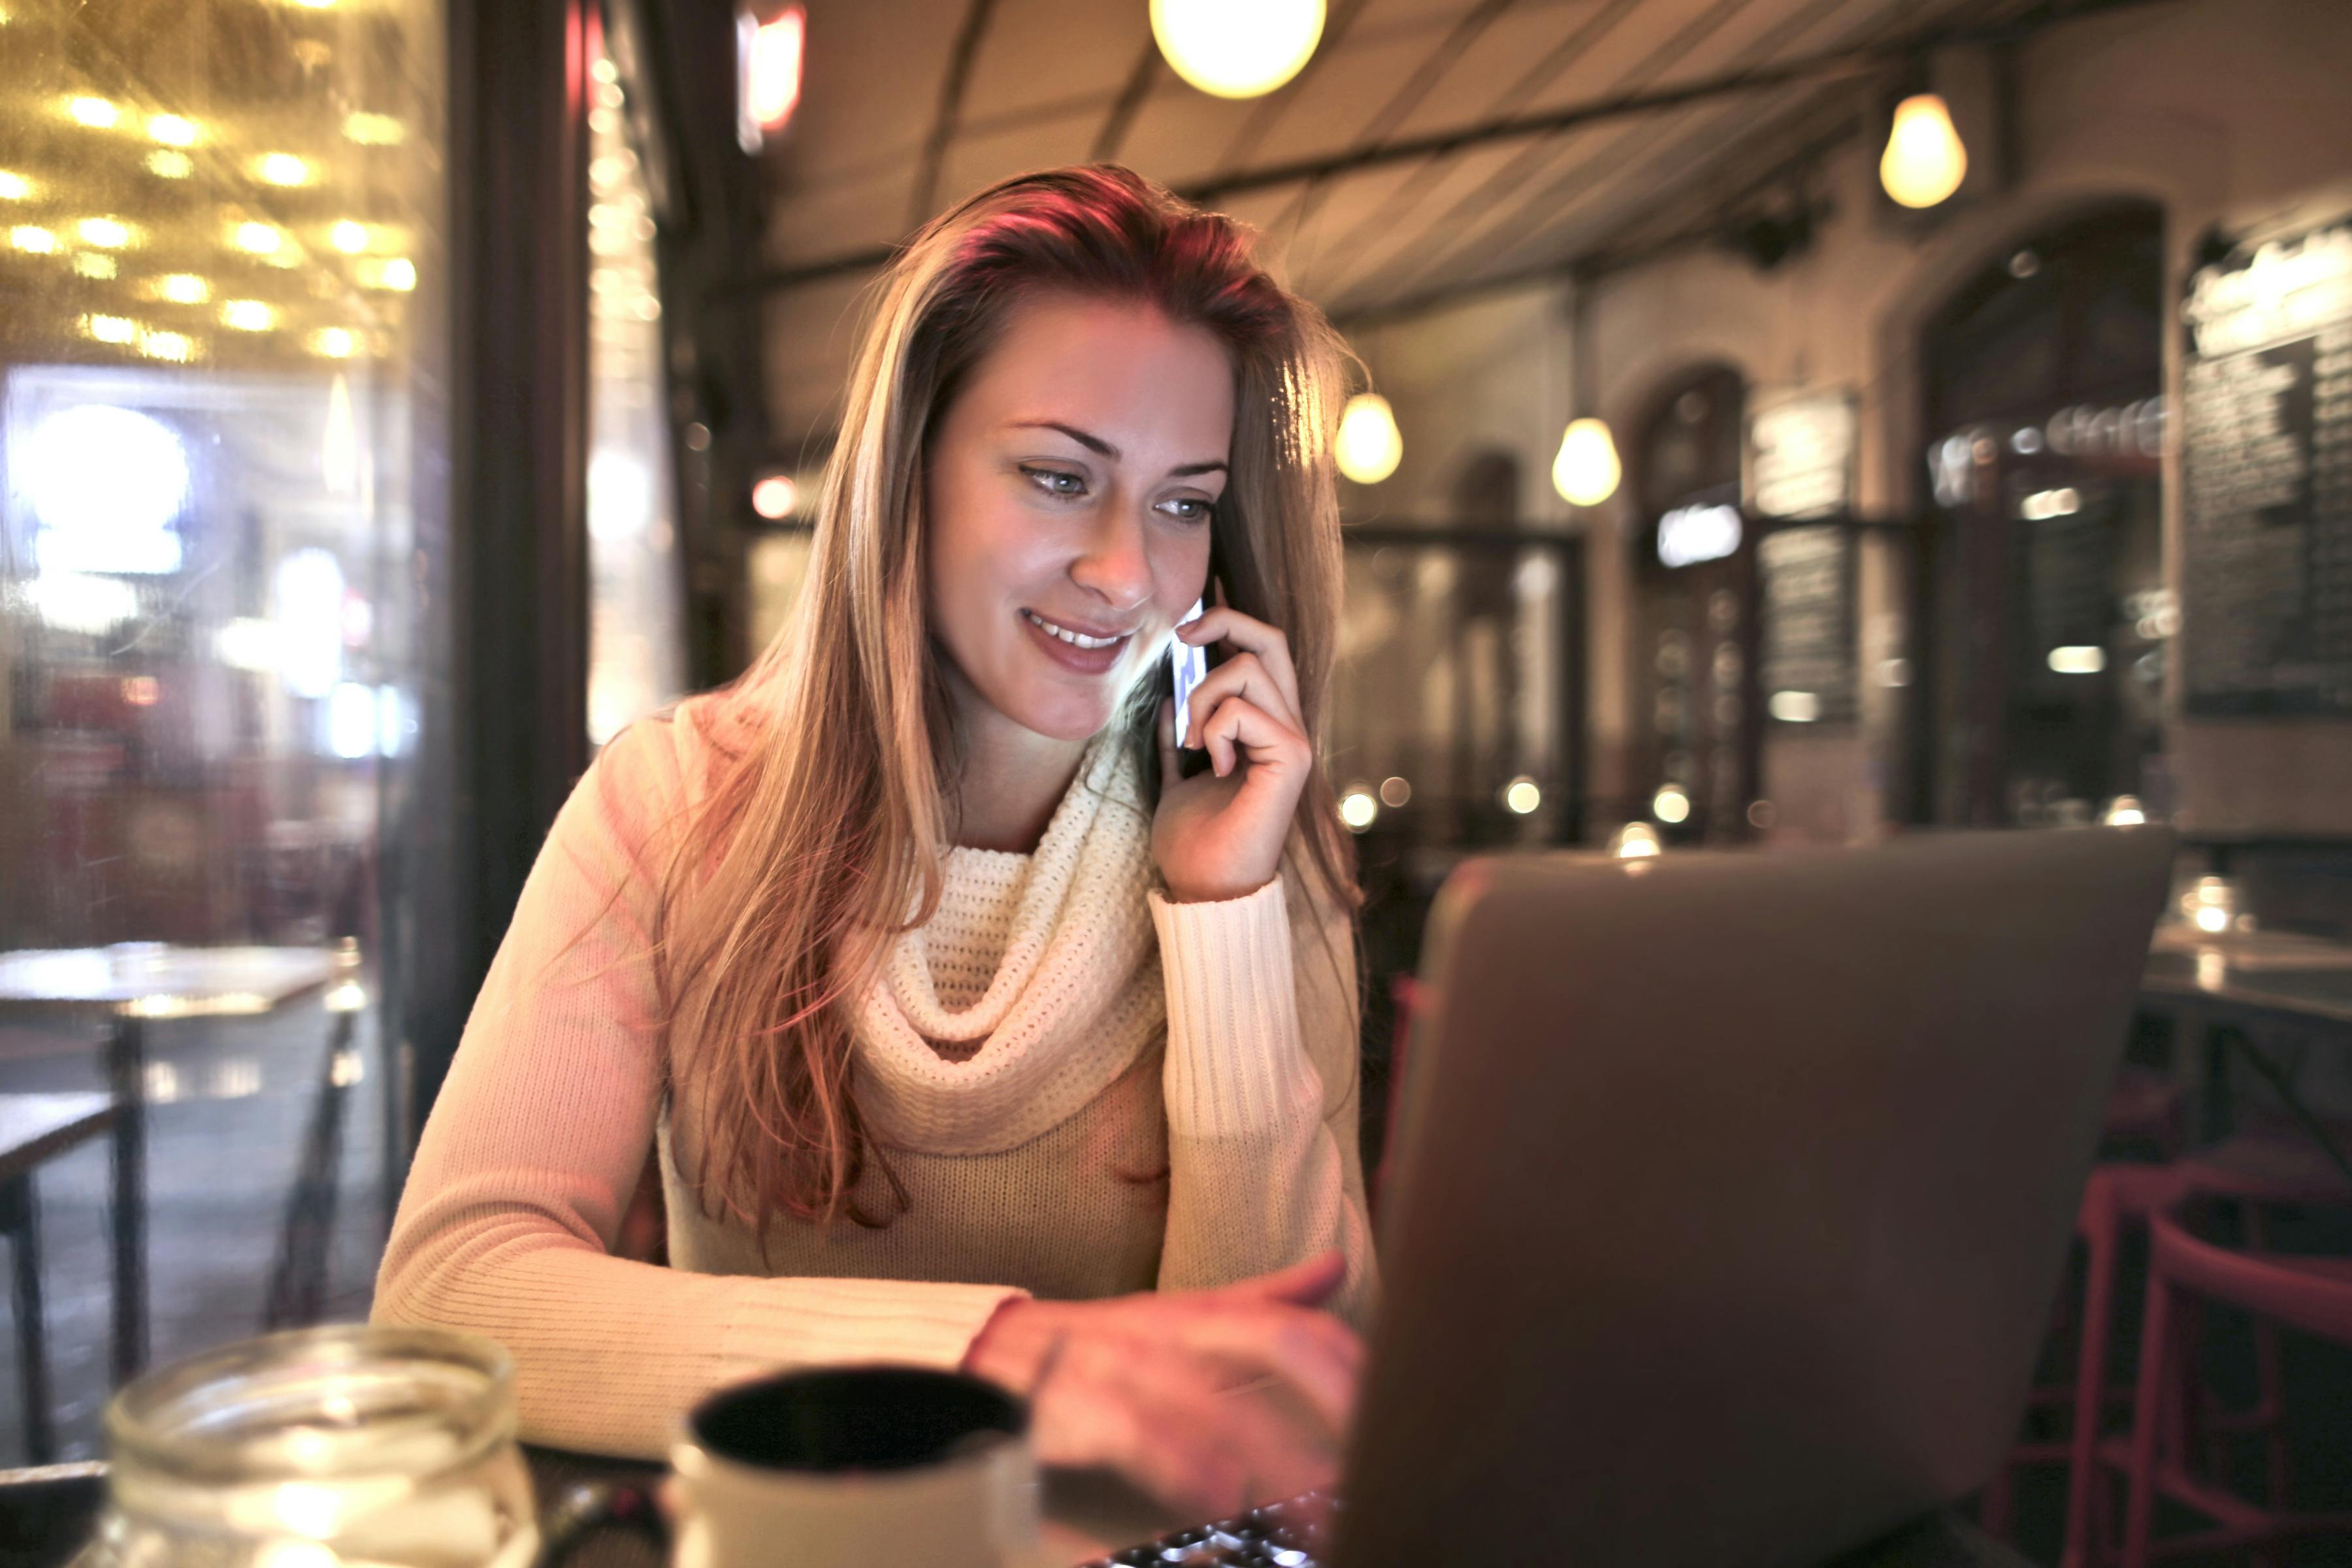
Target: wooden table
<point x="128" y="984"/>
<point x="33" y="1130"/>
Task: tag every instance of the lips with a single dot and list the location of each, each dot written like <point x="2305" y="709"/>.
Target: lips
<point x="1080" y="649"/>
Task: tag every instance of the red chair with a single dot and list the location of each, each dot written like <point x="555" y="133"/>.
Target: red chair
<point x="2312" y="1295"/>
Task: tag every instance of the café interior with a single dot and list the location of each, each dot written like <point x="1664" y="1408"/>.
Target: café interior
<point x="1778" y="427"/>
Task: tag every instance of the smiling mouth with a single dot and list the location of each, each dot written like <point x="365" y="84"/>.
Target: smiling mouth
<point x="1076" y="639"/>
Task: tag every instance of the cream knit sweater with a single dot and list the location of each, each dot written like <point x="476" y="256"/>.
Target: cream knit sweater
<point x="1085" y="1091"/>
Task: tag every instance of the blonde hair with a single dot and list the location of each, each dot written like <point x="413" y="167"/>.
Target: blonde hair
<point x="820" y="841"/>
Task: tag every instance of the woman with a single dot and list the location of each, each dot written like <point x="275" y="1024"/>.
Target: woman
<point x="966" y="1029"/>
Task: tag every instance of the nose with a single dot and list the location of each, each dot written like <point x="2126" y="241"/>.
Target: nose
<point x="1115" y="563"/>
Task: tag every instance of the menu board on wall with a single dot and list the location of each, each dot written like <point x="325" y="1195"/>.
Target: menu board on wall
<point x="1801" y="452"/>
<point x="1806" y="660"/>
<point x="2266" y="464"/>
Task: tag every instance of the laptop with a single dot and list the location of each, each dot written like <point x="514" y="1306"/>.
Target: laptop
<point x="1732" y="1193"/>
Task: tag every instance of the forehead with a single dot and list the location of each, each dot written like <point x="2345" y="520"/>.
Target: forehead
<point x="1114" y="368"/>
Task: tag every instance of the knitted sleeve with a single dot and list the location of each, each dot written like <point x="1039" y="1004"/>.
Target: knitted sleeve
<point x="1261" y="1085"/>
<point x="533" y="1150"/>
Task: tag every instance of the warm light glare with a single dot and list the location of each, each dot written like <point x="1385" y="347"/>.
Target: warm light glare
<point x="2124" y="811"/>
<point x="1237" y="48"/>
<point x="257" y="238"/>
<point x="1587" y="470"/>
<point x="348" y="237"/>
<point x="1358" y="809"/>
<point x="175" y="347"/>
<point x="95" y="264"/>
<point x="14" y="187"/>
<point x="95" y="113"/>
<point x="106" y="483"/>
<point x="248" y="316"/>
<point x="400" y="274"/>
<point x="373" y="129"/>
<point x="1369" y="447"/>
<point x="768" y="61"/>
<point x="283" y="169"/>
<point x="1670" y="804"/>
<point x="106" y="232"/>
<point x="2088" y="660"/>
<point x="775" y="498"/>
<point x="1794" y="707"/>
<point x="1522" y="795"/>
<point x="183" y="288"/>
<point x="334" y="342"/>
<point x="2043" y="505"/>
<point x="110" y="329"/>
<point x="171" y="129"/>
<point x="1635" y="841"/>
<point x="1924" y="163"/>
<point x="1395" y="790"/>
<point x="170" y="165"/>
<point x="33" y="240"/>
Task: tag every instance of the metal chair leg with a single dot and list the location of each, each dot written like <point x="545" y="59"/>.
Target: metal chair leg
<point x="20" y="1218"/>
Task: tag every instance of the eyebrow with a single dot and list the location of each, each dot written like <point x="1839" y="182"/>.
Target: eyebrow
<point x="1096" y="444"/>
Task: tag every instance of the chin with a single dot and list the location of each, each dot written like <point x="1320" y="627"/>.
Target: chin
<point x="1064" y="719"/>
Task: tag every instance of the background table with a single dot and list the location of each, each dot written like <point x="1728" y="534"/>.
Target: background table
<point x="128" y="984"/>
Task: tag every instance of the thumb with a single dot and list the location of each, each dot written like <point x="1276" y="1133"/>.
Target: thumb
<point x="1307" y="1284"/>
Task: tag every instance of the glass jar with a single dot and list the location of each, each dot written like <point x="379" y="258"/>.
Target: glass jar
<point x="320" y="1449"/>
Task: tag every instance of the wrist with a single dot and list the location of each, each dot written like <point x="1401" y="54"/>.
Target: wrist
<point x="1190" y="892"/>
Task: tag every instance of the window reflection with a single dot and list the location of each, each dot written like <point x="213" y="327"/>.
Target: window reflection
<point x="636" y="658"/>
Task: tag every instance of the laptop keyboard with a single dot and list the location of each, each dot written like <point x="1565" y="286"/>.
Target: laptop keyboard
<point x="1293" y="1533"/>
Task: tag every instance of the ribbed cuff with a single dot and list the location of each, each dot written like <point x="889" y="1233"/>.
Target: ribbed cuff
<point x="1236" y="1066"/>
<point x="811" y="1321"/>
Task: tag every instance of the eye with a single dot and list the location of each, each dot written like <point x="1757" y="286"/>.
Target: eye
<point x="1187" y="509"/>
<point x="1059" y="482"/>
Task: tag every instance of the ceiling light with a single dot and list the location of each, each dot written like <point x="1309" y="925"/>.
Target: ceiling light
<point x="1924" y="163"/>
<point x="1586" y="471"/>
<point x="171" y="129"/>
<point x="95" y="113"/>
<point x="334" y="342"/>
<point x="33" y="240"/>
<point x="1370" y="446"/>
<point x="183" y="288"/>
<point x="769" y="56"/>
<point x="14" y="187"/>
<point x="170" y="165"/>
<point x="1237" y="48"/>
<point x="107" y="233"/>
<point x="349" y="237"/>
<point x="95" y="264"/>
<point x="248" y="316"/>
<point x="283" y="169"/>
<point x="176" y="347"/>
<point x="110" y="329"/>
<point x="257" y="238"/>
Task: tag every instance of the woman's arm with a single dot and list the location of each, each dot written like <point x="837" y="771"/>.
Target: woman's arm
<point x="1261" y="1085"/>
<point x="535" y="1144"/>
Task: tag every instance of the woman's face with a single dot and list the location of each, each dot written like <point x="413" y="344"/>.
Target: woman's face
<point x="1068" y="489"/>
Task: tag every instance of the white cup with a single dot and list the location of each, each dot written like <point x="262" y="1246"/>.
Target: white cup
<point x="862" y="1465"/>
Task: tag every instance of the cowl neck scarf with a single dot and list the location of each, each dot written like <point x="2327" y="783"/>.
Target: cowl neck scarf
<point x="1076" y="998"/>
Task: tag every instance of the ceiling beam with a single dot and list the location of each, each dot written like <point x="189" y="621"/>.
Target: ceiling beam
<point x="1827" y="67"/>
<point x="943" y="122"/>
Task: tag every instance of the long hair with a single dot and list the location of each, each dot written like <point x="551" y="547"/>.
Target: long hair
<point x="820" y="840"/>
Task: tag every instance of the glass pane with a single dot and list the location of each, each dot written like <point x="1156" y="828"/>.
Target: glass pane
<point x="222" y="284"/>
<point x="637" y="649"/>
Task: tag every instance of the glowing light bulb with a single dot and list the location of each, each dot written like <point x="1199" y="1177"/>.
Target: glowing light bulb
<point x="97" y="113"/>
<point x="373" y="129"/>
<point x="1923" y="162"/>
<point x="348" y="237"/>
<point x="248" y="316"/>
<point x="1370" y="446"/>
<point x="1586" y="471"/>
<point x="1522" y="795"/>
<point x="183" y="288"/>
<point x="400" y="275"/>
<point x="1237" y="48"/>
<point x="334" y="342"/>
<point x="106" y="232"/>
<point x="775" y="498"/>
<point x="170" y="165"/>
<point x="1670" y="804"/>
<point x="171" y="129"/>
<point x="1358" y="809"/>
<point x="283" y="169"/>
<point x="33" y="240"/>
<point x="14" y="187"/>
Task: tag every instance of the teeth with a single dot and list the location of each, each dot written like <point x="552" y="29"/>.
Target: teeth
<point x="1074" y="638"/>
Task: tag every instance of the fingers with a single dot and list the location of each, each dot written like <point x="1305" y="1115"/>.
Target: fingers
<point x="1244" y="675"/>
<point x="1306" y="1283"/>
<point x="1249" y="635"/>
<point x="1240" y="728"/>
<point x="1313" y="1355"/>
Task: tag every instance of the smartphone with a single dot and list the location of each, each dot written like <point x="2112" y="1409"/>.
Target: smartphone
<point x="1188" y="666"/>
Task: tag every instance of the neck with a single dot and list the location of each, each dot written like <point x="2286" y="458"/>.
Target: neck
<point x="1010" y="778"/>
